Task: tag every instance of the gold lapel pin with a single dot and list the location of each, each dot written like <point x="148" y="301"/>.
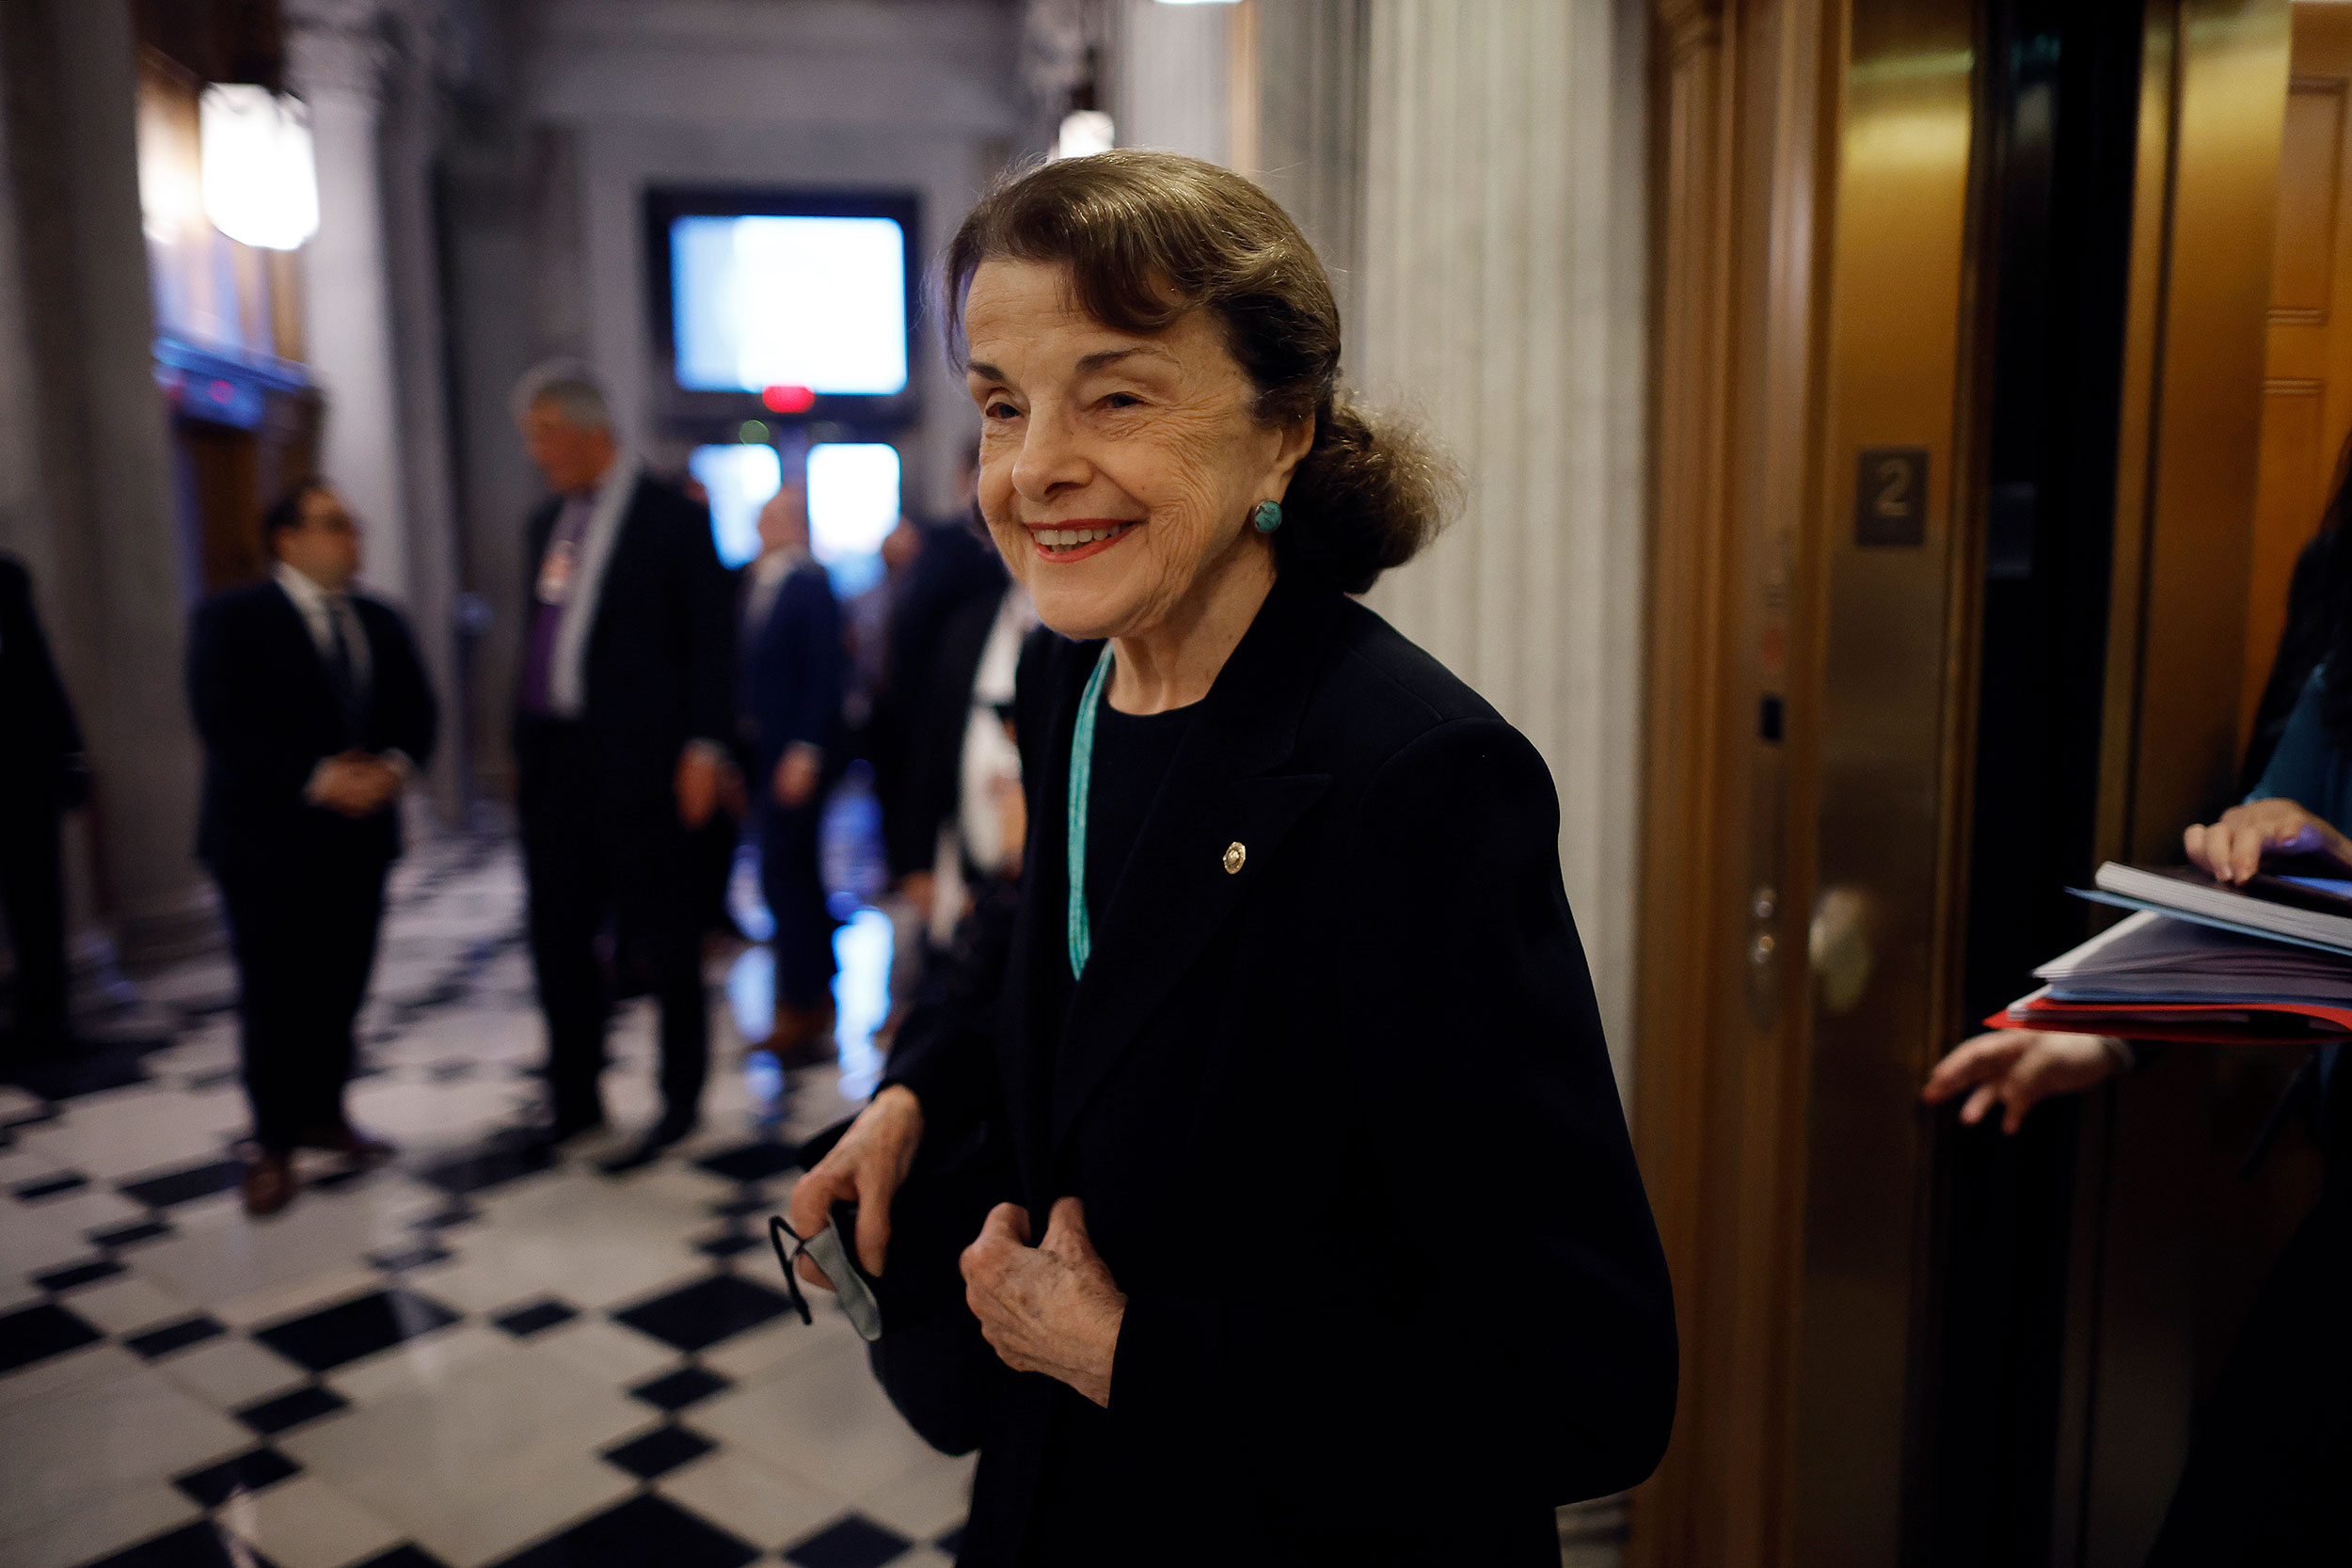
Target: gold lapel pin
<point x="1234" y="855"/>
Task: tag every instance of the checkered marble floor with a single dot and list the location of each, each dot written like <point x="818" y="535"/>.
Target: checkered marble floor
<point x="472" y="1357"/>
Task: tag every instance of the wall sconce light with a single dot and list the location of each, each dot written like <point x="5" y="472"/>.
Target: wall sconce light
<point x="260" y="175"/>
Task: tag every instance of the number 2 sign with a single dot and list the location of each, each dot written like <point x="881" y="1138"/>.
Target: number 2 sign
<point x="1891" y="497"/>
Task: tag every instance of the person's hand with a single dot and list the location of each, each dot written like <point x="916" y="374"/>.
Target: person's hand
<point x="1050" y="1308"/>
<point x="697" y="787"/>
<point x="795" y="782"/>
<point x="383" y="782"/>
<point x="866" y="1167"/>
<point x="918" y="888"/>
<point x="355" y="785"/>
<point x="1012" y="818"/>
<point x="2231" y="850"/>
<point x="2018" y="1068"/>
<point x="733" y="798"/>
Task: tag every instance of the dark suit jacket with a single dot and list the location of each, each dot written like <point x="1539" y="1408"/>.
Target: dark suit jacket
<point x="794" y="667"/>
<point x="954" y="568"/>
<point x="934" y="784"/>
<point x="266" y="711"/>
<point x="37" y="734"/>
<point x="1344" y="1127"/>
<point x="660" y="656"/>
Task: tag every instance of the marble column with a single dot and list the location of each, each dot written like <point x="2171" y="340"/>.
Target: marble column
<point x="86" y="467"/>
<point x="1174" y="62"/>
<point x="1501" y="293"/>
<point x="1312" y="76"/>
<point x="337" y="58"/>
<point x="409" y="136"/>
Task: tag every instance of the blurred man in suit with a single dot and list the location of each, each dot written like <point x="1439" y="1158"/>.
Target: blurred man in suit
<point x="42" y="776"/>
<point x="939" y="570"/>
<point x="968" y="756"/>
<point x="793" y="673"/>
<point x="951" y="567"/>
<point x="623" y="707"/>
<point x="314" y="713"/>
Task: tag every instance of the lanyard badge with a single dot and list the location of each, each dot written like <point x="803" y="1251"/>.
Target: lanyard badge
<point x="556" y="571"/>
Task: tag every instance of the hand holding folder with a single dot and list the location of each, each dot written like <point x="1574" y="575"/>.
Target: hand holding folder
<point x="2235" y="848"/>
<point x="2268" y="963"/>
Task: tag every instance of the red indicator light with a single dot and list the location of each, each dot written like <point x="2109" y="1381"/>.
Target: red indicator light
<point x="789" y="400"/>
<point x="222" y="392"/>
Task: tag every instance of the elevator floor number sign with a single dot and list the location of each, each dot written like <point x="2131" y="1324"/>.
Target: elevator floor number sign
<point x="1890" y="506"/>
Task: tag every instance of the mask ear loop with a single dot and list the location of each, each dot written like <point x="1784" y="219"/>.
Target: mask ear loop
<point x="777" y="1232"/>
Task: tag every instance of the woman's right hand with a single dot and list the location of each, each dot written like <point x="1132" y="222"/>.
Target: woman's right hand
<point x="2017" y="1069"/>
<point x="866" y="1167"/>
<point x="2231" y="850"/>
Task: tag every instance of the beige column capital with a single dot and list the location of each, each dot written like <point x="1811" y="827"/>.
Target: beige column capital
<point x="338" y="47"/>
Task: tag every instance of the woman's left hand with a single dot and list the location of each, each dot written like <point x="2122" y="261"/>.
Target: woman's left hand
<point x="1048" y="1308"/>
<point x="2231" y="850"/>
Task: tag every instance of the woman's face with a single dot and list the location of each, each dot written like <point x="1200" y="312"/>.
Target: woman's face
<point x="1117" y="472"/>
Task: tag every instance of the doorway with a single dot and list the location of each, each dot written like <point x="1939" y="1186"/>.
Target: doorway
<point x="1960" y="337"/>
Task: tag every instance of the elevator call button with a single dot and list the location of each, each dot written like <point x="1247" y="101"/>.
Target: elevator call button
<point x="1890" y="503"/>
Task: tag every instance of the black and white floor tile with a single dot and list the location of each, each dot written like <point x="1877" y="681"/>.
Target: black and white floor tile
<point x="469" y="1357"/>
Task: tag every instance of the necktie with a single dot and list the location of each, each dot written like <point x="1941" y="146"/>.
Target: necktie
<point x="346" y="677"/>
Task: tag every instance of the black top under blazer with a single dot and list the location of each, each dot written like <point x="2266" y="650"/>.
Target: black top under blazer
<point x="1344" y="1127"/>
<point x="266" y="711"/>
<point x="659" y="666"/>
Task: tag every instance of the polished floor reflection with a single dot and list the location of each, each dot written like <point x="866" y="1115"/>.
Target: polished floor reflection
<point x="473" y="1356"/>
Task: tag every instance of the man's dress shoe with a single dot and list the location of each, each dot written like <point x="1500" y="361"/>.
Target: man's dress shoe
<point x="644" y="1152"/>
<point x="269" y="1184"/>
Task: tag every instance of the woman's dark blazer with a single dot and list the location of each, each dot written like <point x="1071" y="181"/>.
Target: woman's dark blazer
<point x="1341" y="1116"/>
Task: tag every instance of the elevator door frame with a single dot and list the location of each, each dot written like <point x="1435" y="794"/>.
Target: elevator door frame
<point x="1783" y="1031"/>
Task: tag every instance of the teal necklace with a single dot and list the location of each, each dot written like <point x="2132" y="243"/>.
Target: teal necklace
<point x="1081" y="776"/>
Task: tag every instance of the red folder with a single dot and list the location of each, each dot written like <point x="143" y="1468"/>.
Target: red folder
<point x="2210" y="1023"/>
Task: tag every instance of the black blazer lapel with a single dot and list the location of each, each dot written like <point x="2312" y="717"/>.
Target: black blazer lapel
<point x="1225" y="787"/>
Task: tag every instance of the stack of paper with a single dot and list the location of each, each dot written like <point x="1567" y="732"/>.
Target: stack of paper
<point x="2152" y="958"/>
<point x="2204" y="962"/>
<point x="2314" y="912"/>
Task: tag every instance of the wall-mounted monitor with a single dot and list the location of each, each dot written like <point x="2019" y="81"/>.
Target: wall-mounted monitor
<point x="783" y="305"/>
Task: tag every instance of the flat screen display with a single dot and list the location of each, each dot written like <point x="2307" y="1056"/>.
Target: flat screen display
<point x="761" y="301"/>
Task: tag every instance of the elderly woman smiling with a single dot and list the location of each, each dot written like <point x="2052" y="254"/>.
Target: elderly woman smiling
<point x="1321" y="1239"/>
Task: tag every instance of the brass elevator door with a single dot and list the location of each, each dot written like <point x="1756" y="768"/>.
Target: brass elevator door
<point x="1891" y="542"/>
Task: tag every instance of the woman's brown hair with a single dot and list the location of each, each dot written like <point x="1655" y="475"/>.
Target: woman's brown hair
<point x="1149" y="236"/>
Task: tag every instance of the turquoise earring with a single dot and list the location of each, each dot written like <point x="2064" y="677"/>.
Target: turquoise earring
<point x="1268" y="516"/>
